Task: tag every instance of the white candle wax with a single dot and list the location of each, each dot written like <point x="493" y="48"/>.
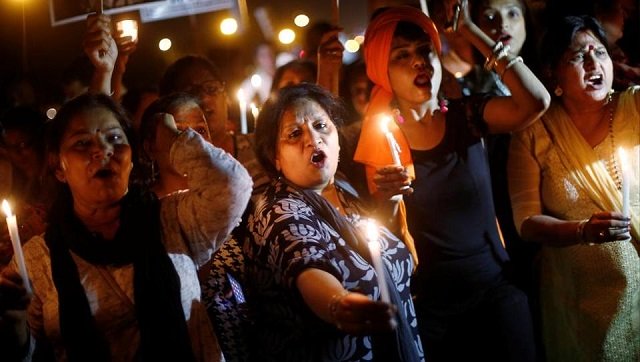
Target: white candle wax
<point x="376" y="259"/>
<point x="242" y="102"/>
<point x="391" y="141"/>
<point x="625" y="168"/>
<point x="12" y="224"/>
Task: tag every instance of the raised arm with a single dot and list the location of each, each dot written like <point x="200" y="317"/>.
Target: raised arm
<point x="102" y="50"/>
<point x="330" y="53"/>
<point x="219" y="189"/>
<point x="529" y="98"/>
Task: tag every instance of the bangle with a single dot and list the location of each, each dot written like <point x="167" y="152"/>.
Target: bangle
<point x="498" y="53"/>
<point x="511" y="63"/>
<point x="580" y="231"/>
<point x="333" y="307"/>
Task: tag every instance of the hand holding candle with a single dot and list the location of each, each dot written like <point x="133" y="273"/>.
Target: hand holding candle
<point x="12" y="224"/>
<point x="626" y="180"/>
<point x="242" y="102"/>
<point x="376" y="259"/>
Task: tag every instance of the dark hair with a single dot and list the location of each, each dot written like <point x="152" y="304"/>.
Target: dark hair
<point x="80" y="69"/>
<point x="176" y="71"/>
<point x="409" y="31"/>
<point x="299" y="65"/>
<point x="560" y="34"/>
<point x="83" y="103"/>
<point x="145" y="173"/>
<point x="268" y="127"/>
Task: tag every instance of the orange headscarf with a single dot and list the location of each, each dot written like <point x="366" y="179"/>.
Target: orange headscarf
<point x="372" y="149"/>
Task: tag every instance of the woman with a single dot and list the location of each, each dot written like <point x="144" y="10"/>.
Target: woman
<point x="222" y="302"/>
<point x="198" y="76"/>
<point x="460" y="290"/>
<point x="295" y="72"/>
<point x="565" y="180"/>
<point x="507" y="21"/>
<point x="311" y="284"/>
<point x="21" y="138"/>
<point x="186" y="111"/>
<point x="114" y="276"/>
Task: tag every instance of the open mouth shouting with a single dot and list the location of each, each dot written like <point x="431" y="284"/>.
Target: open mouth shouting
<point x="423" y="80"/>
<point x="595" y="80"/>
<point x="318" y="158"/>
<point x="104" y="173"/>
<point x="505" y="38"/>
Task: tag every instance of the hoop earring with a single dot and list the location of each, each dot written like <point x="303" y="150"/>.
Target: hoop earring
<point x="558" y="91"/>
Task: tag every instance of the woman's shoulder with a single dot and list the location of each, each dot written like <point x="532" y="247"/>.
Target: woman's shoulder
<point x="277" y="198"/>
<point x="36" y="255"/>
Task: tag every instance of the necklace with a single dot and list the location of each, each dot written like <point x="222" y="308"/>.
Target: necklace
<point x="612" y="164"/>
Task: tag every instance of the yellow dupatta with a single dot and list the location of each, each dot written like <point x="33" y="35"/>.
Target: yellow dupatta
<point x="585" y="168"/>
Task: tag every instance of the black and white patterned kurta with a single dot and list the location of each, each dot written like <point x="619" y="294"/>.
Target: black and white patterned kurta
<point x="287" y="237"/>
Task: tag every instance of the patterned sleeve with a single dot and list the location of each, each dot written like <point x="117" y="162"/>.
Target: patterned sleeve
<point x="219" y="190"/>
<point x="295" y="240"/>
<point x="524" y="174"/>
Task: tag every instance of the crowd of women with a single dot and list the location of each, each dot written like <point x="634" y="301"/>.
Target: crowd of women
<point x="167" y="237"/>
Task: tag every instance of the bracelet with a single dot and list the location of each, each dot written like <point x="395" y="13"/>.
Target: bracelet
<point x="580" y="231"/>
<point x="511" y="63"/>
<point x="498" y="53"/>
<point x="333" y="307"/>
<point x="497" y="47"/>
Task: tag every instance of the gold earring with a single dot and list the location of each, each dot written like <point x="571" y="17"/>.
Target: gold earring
<point x="558" y="91"/>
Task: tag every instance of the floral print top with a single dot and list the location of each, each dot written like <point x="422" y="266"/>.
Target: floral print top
<point x="287" y="237"/>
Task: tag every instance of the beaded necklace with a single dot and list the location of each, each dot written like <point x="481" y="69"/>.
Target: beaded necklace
<point x="612" y="164"/>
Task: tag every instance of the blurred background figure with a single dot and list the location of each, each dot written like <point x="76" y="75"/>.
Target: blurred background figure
<point x="295" y="72"/>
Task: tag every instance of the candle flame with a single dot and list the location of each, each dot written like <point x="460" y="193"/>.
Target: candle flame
<point x="384" y="123"/>
<point x="255" y="111"/>
<point x="240" y="95"/>
<point x="6" y="208"/>
<point x="372" y="230"/>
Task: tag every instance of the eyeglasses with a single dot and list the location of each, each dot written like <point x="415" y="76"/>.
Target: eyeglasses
<point x="210" y="88"/>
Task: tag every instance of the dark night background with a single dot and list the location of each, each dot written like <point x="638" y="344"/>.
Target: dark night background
<point x="51" y="49"/>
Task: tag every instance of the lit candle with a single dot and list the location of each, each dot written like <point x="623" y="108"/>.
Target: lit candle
<point x="255" y="112"/>
<point x="376" y="259"/>
<point x="12" y="224"/>
<point x="242" y="102"/>
<point x="391" y="141"/>
<point x="624" y="166"/>
<point x="128" y="28"/>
